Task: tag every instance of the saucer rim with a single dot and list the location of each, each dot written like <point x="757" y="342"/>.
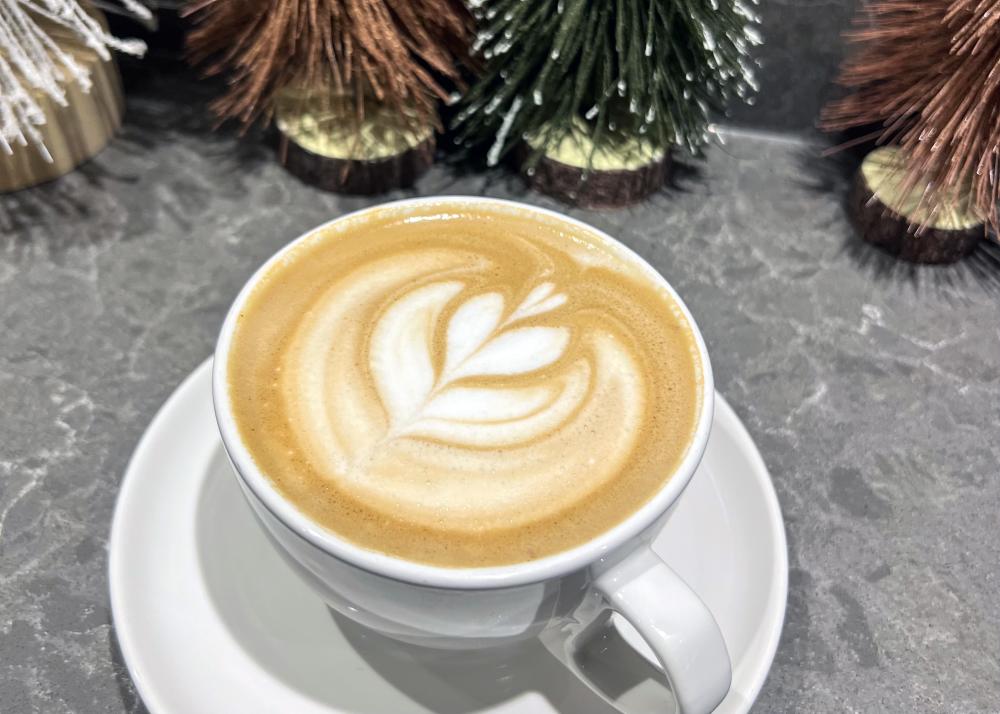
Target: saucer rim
<point x="124" y="633"/>
<point x="779" y="570"/>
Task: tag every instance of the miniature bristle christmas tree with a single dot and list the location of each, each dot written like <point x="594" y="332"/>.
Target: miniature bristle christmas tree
<point x="60" y="99"/>
<point x="926" y="74"/>
<point x="591" y="94"/>
<point x="354" y="85"/>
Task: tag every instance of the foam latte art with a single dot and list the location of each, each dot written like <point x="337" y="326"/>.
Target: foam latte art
<point x="468" y="397"/>
<point x="463" y="387"/>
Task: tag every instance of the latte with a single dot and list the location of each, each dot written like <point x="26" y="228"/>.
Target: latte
<point x="463" y="384"/>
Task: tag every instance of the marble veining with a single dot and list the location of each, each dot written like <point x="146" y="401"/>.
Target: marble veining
<point x="872" y="389"/>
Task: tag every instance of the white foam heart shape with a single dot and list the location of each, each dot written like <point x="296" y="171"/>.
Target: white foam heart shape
<point x="481" y="342"/>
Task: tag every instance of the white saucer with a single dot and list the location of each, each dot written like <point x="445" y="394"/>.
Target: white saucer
<point x="210" y="619"/>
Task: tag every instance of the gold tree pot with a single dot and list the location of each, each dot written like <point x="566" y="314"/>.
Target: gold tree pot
<point x="72" y="133"/>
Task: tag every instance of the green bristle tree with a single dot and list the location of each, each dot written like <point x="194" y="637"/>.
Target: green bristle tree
<point x="618" y="70"/>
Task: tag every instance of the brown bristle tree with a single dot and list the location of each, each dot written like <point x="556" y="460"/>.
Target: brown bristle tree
<point x="398" y="53"/>
<point x="928" y="72"/>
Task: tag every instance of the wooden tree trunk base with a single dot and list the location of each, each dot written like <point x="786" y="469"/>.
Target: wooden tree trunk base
<point x="355" y="176"/>
<point x="595" y="188"/>
<point x="881" y="226"/>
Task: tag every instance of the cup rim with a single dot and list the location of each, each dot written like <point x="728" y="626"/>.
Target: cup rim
<point x="469" y="578"/>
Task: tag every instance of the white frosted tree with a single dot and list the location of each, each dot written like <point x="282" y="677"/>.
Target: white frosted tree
<point x="34" y="66"/>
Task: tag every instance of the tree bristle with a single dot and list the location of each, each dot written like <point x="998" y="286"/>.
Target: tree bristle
<point x="628" y="67"/>
<point x="928" y="73"/>
<point x="403" y="53"/>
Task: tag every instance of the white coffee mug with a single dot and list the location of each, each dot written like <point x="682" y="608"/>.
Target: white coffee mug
<point x="559" y="598"/>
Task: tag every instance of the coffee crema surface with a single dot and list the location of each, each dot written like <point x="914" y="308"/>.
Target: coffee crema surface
<point x="463" y="385"/>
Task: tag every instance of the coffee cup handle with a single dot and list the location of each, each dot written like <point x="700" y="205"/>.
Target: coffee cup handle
<point x="670" y="617"/>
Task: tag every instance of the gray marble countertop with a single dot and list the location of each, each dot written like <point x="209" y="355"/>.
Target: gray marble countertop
<point x="872" y="389"/>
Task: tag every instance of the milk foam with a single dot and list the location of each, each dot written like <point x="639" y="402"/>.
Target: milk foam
<point x="456" y="394"/>
<point x="462" y="384"/>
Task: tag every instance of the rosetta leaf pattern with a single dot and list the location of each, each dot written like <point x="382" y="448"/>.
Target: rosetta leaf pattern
<point x="482" y="340"/>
